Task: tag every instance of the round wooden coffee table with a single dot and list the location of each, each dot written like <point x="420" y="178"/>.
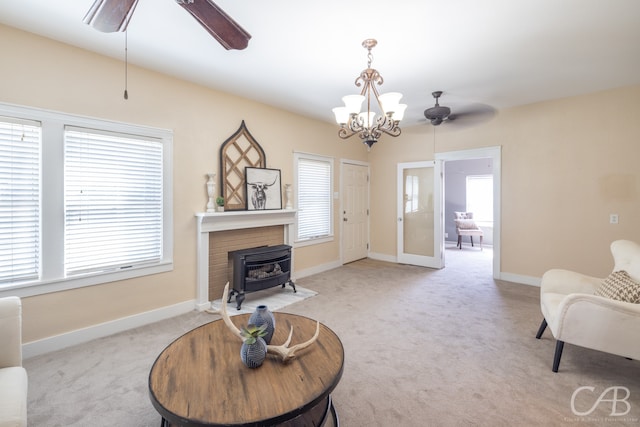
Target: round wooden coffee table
<point x="200" y="380"/>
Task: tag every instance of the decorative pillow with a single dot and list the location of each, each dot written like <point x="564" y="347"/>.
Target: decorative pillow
<point x="466" y="224"/>
<point x="464" y="215"/>
<point x="621" y="287"/>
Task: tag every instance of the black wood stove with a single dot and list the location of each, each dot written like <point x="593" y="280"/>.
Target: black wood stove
<point x="259" y="268"/>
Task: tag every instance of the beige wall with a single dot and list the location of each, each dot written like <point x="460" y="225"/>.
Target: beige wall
<point x="62" y="78"/>
<point x="566" y="165"/>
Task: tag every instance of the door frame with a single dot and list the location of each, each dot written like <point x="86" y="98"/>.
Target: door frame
<point x="342" y="192"/>
<point x="495" y="154"/>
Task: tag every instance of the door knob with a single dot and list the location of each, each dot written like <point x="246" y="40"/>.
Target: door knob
<point x="399" y="219"/>
<point x="345" y="219"/>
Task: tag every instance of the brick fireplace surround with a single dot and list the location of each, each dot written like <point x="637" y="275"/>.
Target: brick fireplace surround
<point x="209" y="224"/>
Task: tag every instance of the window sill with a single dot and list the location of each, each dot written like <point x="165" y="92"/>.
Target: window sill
<point x="42" y="287"/>
<point x="317" y="241"/>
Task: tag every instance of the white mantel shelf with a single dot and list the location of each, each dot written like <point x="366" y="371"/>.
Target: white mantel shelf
<point x="235" y="220"/>
<point x="209" y="222"/>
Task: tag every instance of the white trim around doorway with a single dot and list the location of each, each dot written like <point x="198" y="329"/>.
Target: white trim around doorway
<point x="494" y="153"/>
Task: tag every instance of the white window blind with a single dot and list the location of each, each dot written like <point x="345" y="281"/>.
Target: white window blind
<point x="19" y="200"/>
<point x="113" y="201"/>
<point x="314" y="197"/>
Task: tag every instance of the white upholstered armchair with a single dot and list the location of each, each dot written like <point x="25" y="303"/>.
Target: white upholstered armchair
<point x="600" y="314"/>
<point x="13" y="377"/>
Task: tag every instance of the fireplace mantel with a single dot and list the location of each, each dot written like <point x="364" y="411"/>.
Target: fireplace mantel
<point x="233" y="220"/>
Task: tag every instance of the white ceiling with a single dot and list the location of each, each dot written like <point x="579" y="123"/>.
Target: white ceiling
<point x="304" y="56"/>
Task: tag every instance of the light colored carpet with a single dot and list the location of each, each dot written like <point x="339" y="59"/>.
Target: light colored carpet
<point x="423" y="347"/>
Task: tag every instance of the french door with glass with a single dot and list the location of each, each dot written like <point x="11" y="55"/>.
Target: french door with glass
<point x="419" y="214"/>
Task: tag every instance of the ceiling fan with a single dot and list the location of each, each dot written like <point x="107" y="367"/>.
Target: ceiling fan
<point x="110" y="16"/>
<point x="439" y="114"/>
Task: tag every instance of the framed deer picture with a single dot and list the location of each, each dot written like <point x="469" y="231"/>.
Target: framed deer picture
<point x="263" y="188"/>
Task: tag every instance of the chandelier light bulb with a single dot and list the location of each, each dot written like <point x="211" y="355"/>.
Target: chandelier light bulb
<point x="367" y="118"/>
<point x="353" y="103"/>
<point x="390" y="102"/>
<point x="399" y="113"/>
<point x="342" y="115"/>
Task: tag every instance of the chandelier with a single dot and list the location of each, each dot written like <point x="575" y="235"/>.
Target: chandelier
<point x="366" y="124"/>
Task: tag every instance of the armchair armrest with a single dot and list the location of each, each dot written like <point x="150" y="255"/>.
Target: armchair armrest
<point x="566" y="282"/>
<point x="599" y="323"/>
<point x="10" y="332"/>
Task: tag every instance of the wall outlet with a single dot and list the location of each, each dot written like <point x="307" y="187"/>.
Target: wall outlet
<point x="613" y="219"/>
<point x="446" y="235"/>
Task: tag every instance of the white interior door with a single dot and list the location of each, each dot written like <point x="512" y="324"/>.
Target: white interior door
<point x="355" y="212"/>
<point x="419" y="214"/>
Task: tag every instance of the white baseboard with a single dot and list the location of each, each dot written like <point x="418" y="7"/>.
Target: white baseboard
<point x="79" y="336"/>
<point x="299" y="274"/>
<point x="383" y="257"/>
<point x="518" y="278"/>
<point x="203" y="306"/>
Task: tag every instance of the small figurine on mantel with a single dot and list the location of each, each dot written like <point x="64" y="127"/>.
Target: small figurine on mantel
<point x="211" y="191"/>
<point x="288" y="195"/>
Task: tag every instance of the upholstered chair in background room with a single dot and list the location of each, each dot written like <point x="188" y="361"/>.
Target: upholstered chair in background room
<point x="466" y="226"/>
<point x="600" y="314"/>
<point x="13" y="377"/>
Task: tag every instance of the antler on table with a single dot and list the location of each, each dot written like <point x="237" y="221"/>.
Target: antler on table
<point x="287" y="353"/>
<point x="225" y="315"/>
<point x="284" y="352"/>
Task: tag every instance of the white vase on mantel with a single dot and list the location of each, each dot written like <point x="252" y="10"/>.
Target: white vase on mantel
<point x="288" y="195"/>
<point x="211" y="191"/>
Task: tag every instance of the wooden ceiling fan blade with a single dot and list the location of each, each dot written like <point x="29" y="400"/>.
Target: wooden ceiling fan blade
<point x="220" y="25"/>
<point x="110" y="16"/>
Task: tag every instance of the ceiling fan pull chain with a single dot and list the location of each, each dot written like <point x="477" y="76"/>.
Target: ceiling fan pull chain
<point x="126" y="65"/>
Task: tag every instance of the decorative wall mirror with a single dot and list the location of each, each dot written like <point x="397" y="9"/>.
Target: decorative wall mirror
<point x="239" y="151"/>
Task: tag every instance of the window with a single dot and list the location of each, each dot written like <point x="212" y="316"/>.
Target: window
<point x="113" y="201"/>
<point x="480" y="197"/>
<point x="83" y="201"/>
<point x="19" y="200"/>
<point x="314" y="201"/>
<point x="412" y="190"/>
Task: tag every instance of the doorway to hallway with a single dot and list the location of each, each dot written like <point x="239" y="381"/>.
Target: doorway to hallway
<point x="458" y="166"/>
